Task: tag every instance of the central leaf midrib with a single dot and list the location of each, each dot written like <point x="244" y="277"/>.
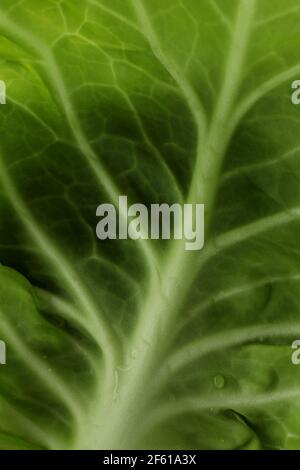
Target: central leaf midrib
<point x="177" y="276"/>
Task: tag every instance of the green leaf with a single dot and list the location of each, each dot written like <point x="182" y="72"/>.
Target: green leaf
<point x="142" y="344"/>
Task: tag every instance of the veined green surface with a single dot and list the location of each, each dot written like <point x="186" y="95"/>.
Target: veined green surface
<point x="126" y="344"/>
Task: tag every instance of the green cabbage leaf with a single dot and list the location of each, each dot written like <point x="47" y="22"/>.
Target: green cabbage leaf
<point x="123" y="344"/>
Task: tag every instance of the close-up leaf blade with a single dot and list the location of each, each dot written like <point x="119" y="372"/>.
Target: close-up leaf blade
<point x="143" y="344"/>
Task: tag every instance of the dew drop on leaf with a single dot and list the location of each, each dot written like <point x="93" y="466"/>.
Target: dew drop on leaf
<point x="219" y="381"/>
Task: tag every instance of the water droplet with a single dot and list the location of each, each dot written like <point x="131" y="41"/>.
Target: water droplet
<point x="219" y="381"/>
<point x="134" y="354"/>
